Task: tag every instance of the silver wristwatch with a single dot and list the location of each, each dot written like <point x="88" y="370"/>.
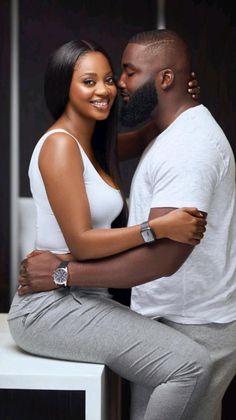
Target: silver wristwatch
<point x="147" y="233"/>
<point x="61" y="274"/>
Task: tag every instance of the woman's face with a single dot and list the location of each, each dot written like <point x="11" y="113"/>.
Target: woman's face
<point x="92" y="90"/>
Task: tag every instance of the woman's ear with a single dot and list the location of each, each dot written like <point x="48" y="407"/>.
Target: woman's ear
<point x="166" y="78"/>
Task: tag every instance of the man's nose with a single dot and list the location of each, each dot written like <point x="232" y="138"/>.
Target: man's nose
<point x="121" y="82"/>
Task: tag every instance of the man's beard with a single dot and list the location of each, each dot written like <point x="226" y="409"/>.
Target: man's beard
<point x="140" y="105"/>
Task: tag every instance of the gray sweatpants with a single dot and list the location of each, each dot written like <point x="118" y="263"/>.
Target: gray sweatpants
<point x="220" y="340"/>
<point x="173" y="367"/>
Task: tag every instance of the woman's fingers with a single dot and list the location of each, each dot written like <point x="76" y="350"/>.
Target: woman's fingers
<point x="198" y="235"/>
<point x="200" y="228"/>
<point x="193" y="211"/>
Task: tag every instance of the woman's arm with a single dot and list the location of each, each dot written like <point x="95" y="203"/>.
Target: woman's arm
<point x="61" y="167"/>
<point x="131" y="144"/>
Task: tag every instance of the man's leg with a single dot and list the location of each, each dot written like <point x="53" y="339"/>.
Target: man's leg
<point x="220" y="340"/>
<point x="139" y="400"/>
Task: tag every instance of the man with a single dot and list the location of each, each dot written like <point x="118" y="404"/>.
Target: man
<point x="189" y="164"/>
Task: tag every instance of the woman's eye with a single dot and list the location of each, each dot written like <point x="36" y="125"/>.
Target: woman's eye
<point x="89" y="82"/>
<point x="110" y="81"/>
<point x="130" y="74"/>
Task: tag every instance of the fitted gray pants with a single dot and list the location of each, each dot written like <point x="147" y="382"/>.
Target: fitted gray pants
<point x="220" y="340"/>
<point x="173" y="367"/>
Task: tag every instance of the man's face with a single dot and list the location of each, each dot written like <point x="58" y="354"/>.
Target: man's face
<point x="140" y="105"/>
<point x="137" y="85"/>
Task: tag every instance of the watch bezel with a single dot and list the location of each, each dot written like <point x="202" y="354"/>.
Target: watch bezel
<point x="60" y="275"/>
<point x="147" y="233"/>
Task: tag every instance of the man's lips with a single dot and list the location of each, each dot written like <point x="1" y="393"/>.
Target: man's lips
<point x="125" y="96"/>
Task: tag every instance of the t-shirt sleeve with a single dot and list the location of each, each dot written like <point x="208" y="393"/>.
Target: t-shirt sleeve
<point x="186" y="179"/>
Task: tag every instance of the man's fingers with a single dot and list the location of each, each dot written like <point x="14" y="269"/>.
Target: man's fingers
<point x="22" y="290"/>
<point x="34" y="253"/>
<point x="22" y="280"/>
<point x="22" y="271"/>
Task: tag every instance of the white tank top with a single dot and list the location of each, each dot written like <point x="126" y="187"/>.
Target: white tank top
<point x="105" y="201"/>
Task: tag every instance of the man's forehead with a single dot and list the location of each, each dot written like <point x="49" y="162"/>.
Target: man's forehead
<point x="135" y="54"/>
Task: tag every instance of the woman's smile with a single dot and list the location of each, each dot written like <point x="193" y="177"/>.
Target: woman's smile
<point x="101" y="104"/>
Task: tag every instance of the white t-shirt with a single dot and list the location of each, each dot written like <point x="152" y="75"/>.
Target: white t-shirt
<point x="191" y="164"/>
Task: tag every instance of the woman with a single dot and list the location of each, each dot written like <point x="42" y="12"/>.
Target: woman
<point x="75" y="184"/>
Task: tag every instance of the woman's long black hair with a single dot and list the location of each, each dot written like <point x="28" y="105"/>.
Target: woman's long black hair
<point x="56" y="90"/>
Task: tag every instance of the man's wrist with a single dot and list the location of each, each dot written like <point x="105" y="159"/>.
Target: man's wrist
<point x="61" y="274"/>
<point x="71" y="276"/>
<point x="157" y="227"/>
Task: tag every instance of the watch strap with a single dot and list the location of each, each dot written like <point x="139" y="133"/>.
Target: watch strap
<point x="63" y="264"/>
<point x="145" y="226"/>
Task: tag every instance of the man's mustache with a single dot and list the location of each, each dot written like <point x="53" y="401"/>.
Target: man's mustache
<point x="124" y="94"/>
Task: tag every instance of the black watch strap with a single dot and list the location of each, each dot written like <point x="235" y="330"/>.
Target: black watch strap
<point x="63" y="264"/>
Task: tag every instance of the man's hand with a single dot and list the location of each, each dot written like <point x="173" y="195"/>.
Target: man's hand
<point x="36" y="272"/>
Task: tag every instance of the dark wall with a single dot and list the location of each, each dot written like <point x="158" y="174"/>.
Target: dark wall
<point x="210" y="28"/>
<point x="5" y="152"/>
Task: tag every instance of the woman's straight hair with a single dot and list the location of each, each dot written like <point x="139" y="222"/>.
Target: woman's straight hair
<point x="57" y="83"/>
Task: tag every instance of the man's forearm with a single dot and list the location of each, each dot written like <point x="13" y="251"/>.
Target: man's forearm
<point x="131" y="268"/>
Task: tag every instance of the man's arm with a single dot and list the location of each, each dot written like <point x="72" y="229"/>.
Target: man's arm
<point x="125" y="270"/>
<point x="137" y="266"/>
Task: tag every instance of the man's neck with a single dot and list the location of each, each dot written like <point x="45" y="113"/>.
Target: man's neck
<point x="167" y="113"/>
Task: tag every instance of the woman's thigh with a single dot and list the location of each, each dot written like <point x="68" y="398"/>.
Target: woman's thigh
<point x="99" y="330"/>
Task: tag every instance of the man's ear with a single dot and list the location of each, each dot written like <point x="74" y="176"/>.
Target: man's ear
<point x="166" y="78"/>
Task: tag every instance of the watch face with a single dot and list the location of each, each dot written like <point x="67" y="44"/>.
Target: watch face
<point x="60" y="277"/>
<point x="148" y="235"/>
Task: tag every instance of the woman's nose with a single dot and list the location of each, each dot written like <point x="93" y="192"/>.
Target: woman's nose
<point x="102" y="89"/>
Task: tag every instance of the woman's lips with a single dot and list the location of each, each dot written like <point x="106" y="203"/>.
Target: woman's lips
<point x="103" y="104"/>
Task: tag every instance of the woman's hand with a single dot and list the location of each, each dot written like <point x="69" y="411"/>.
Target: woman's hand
<point x="36" y="272"/>
<point x="186" y="225"/>
<point x="193" y="87"/>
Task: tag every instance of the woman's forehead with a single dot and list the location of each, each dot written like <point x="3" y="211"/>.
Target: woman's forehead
<point x="92" y="60"/>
